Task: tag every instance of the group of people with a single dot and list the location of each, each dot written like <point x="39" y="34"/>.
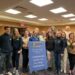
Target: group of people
<point x="60" y="46"/>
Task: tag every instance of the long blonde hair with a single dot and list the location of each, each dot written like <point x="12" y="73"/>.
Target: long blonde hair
<point x="14" y="33"/>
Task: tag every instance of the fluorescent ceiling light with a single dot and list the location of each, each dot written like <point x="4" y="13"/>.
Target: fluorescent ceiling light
<point x="72" y="19"/>
<point x="12" y="11"/>
<point x="30" y="16"/>
<point x="43" y="19"/>
<point x="58" y="10"/>
<point x="41" y="3"/>
<point x="68" y="15"/>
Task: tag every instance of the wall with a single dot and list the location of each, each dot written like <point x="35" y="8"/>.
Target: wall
<point x="46" y="28"/>
<point x="30" y="27"/>
<point x="1" y="30"/>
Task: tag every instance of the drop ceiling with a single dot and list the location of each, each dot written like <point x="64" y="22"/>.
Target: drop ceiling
<point x="41" y="12"/>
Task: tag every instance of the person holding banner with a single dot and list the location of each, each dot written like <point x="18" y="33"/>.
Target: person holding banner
<point x="37" y="53"/>
<point x="35" y="36"/>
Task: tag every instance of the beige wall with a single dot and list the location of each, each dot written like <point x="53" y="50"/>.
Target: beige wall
<point x="1" y="30"/>
<point x="31" y="27"/>
<point x="46" y="28"/>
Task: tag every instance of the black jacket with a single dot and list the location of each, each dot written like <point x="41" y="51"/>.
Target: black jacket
<point x="17" y="44"/>
<point x="64" y="43"/>
<point x="6" y="43"/>
<point x="49" y="44"/>
<point x="58" y="45"/>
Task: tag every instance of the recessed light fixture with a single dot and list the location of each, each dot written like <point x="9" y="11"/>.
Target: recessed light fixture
<point x="58" y="10"/>
<point x="68" y="15"/>
<point x="43" y="19"/>
<point x="41" y="3"/>
<point x="12" y="11"/>
<point x="30" y="16"/>
<point x="72" y="19"/>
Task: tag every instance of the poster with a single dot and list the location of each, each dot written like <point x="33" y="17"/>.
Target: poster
<point x="37" y="56"/>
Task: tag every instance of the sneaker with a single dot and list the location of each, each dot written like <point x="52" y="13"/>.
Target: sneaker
<point x="17" y="73"/>
<point x="14" y="70"/>
<point x="61" y="70"/>
<point x="65" y="72"/>
<point x="9" y="73"/>
<point x="59" y="73"/>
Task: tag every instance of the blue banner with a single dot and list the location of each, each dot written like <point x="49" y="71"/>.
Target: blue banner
<point x="37" y="56"/>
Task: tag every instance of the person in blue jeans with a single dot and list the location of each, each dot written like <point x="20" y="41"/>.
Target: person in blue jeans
<point x="58" y="51"/>
<point x="6" y="49"/>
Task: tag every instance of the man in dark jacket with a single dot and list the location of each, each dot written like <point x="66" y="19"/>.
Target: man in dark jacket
<point x="58" y="51"/>
<point x="6" y="48"/>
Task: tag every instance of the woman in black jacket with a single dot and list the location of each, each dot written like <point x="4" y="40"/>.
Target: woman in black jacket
<point x="49" y="47"/>
<point x="58" y="51"/>
<point x="17" y="48"/>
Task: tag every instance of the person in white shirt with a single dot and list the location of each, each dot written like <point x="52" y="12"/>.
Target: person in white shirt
<point x="67" y="32"/>
<point x="25" y="39"/>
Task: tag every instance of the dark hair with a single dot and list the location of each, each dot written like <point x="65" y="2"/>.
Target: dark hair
<point x="6" y="27"/>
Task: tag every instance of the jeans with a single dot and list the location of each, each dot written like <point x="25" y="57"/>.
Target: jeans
<point x="15" y="60"/>
<point x="8" y="63"/>
<point x="57" y="57"/>
<point x="71" y="60"/>
<point x="25" y="58"/>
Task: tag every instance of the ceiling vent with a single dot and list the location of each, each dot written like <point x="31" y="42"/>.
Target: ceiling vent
<point x="22" y="9"/>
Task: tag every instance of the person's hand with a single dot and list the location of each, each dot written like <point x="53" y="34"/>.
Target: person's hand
<point x="25" y="46"/>
<point x="19" y="51"/>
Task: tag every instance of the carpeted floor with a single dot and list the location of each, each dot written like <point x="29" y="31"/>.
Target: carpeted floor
<point x="43" y="73"/>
